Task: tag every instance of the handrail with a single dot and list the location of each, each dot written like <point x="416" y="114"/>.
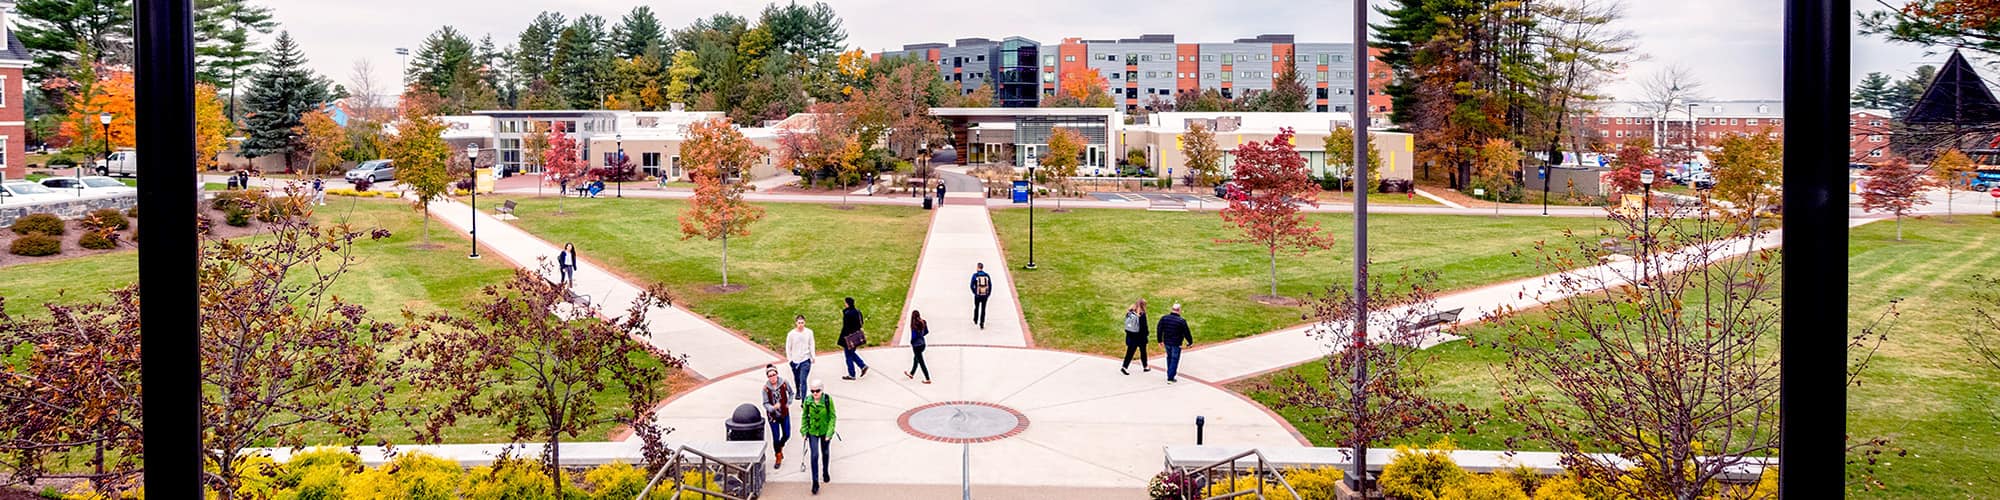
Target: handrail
<point x="1262" y="471"/>
<point x="707" y="461"/>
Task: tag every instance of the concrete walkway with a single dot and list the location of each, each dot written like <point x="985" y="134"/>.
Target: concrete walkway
<point x="711" y="350"/>
<point x="962" y="236"/>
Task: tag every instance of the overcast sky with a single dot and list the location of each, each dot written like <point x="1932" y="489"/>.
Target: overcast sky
<point x="1733" y="46"/>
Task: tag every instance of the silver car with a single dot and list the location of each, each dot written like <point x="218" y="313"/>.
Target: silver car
<point x="373" y="170"/>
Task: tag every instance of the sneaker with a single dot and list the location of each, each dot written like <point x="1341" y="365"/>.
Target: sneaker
<point x="910" y="375"/>
<point x="1170" y="381"/>
<point x="1147" y="369"/>
<point x="864" y="371"/>
<point x="927" y="381"/>
<point x="847" y="377"/>
<point x="1122" y="370"/>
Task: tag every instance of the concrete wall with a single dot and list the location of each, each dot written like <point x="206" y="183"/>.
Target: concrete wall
<point x="67" y="209"/>
<point x="1566" y="181"/>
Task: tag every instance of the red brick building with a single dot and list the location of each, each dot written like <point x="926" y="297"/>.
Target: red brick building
<point x="1868" y="134"/>
<point x="1380" y="75"/>
<point x="1696" y="124"/>
<point x="13" y="116"/>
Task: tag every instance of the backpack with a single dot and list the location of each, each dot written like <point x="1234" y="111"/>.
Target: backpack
<point x="1132" y="322"/>
<point x="982" y="285"/>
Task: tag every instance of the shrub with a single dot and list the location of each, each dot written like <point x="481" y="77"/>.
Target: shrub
<point x="98" y="240"/>
<point x="1573" y="487"/>
<point x="362" y="184"/>
<point x="1169" y="485"/>
<point x="318" y="474"/>
<point x="618" y="481"/>
<point x="703" y="480"/>
<point x="132" y="212"/>
<point x="1323" y="482"/>
<point x="107" y="218"/>
<point x="515" y="478"/>
<point x="243" y="198"/>
<point x="1224" y="486"/>
<point x="1485" y="487"/>
<point x="1421" y="474"/>
<point x="47" y="224"/>
<point x="35" y="245"/>
<point x="413" y="476"/>
<point x="237" y="216"/>
<point x="273" y="209"/>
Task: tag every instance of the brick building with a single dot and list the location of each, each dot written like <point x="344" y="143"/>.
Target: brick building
<point x="1695" y="124"/>
<point x="13" y="117"/>
<point x="1868" y="136"/>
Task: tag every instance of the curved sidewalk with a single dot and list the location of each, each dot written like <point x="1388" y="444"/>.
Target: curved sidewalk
<point x="962" y="236"/>
<point x="711" y="350"/>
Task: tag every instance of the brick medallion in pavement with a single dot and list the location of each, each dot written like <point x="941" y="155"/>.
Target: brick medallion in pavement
<point x="962" y="422"/>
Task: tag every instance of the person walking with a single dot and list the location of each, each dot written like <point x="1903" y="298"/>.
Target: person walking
<point x="799" y="348"/>
<point x="319" y="190"/>
<point x="982" y="288"/>
<point x="851" y="338"/>
<point x="566" y="264"/>
<point x="1135" y="337"/>
<point x="818" y="428"/>
<point x="1174" y="334"/>
<point x="918" y="329"/>
<point x="777" y="411"/>
<point x="940" y="193"/>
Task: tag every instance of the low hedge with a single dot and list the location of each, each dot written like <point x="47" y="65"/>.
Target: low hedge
<point x="238" y="217"/>
<point x="98" y="240"/>
<point x="132" y="212"/>
<point x="35" y="245"/>
<point x="47" y="224"/>
<point x="107" y="218"/>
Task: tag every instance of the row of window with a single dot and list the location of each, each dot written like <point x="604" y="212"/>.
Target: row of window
<point x="568" y="126"/>
<point x="1226" y="75"/>
<point x="1050" y="60"/>
<point x="1872" y="153"/>
<point x="1703" y="121"/>
<point x="1871" y="138"/>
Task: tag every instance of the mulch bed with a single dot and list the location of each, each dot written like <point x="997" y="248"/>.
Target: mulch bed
<point x="74" y="230"/>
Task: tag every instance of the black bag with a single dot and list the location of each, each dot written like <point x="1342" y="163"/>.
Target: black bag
<point x="855" y="340"/>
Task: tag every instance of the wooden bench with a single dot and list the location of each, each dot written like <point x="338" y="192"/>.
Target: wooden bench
<point x="1439" y="318"/>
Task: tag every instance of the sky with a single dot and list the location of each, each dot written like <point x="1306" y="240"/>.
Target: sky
<point x="1732" y="46"/>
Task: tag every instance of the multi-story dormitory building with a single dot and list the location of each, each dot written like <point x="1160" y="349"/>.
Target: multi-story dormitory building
<point x="1695" y="124"/>
<point x="1137" y="70"/>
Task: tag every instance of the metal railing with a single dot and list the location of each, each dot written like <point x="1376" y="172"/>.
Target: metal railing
<point x="1204" y="478"/>
<point x="737" y="482"/>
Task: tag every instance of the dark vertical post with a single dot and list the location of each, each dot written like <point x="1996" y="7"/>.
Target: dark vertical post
<point x="1360" y="114"/>
<point x="168" y="282"/>
<point x="1812" y="377"/>
<point x="1031" y="214"/>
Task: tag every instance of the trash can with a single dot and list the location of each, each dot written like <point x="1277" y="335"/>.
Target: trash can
<point x="747" y="424"/>
<point x="927" y="203"/>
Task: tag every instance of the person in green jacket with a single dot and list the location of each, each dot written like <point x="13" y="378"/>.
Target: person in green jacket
<point x="818" y="428"/>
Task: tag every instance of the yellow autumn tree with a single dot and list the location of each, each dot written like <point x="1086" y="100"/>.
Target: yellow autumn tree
<point x="211" y="129"/>
<point x="1950" y="170"/>
<point x="324" y="140"/>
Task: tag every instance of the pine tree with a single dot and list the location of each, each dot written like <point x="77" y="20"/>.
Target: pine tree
<point x="1288" y="91"/>
<point x="64" y="32"/>
<point x="223" y="48"/>
<point x="639" y="31"/>
<point x="439" y="61"/>
<point x="488" y="61"/>
<point x="278" y="96"/>
<point x="582" y="62"/>
<point x="536" y="47"/>
<point x="1906" y="92"/>
<point x="1872" y="93"/>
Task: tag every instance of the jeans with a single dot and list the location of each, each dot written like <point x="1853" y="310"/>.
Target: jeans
<point x="979" y="310"/>
<point x="918" y="362"/>
<point x="799" y="372"/>
<point x="781" y="431"/>
<point x="1139" y="348"/>
<point x="853" y="359"/>
<point x="1173" y="361"/>
<point x="568" y="274"/>
<point x="819" y="452"/>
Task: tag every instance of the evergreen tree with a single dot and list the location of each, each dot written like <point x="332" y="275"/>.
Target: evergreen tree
<point x="537" y="45"/>
<point x="1905" y="94"/>
<point x="223" y="49"/>
<point x="639" y="31"/>
<point x="63" y="32"/>
<point x="489" y="60"/>
<point x="1288" y="91"/>
<point x="277" y="98"/>
<point x="440" y="60"/>
<point x="811" y="34"/>
<point x="583" y="62"/>
<point x="1872" y="93"/>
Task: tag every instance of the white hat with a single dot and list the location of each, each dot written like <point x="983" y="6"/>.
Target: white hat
<point x="818" y="384"/>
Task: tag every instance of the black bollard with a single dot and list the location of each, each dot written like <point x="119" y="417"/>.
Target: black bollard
<point x="1199" y="421"/>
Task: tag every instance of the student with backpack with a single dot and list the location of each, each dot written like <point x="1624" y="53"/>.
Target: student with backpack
<point x="1135" y="336"/>
<point x="982" y="287"/>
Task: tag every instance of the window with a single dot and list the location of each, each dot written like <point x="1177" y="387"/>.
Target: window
<point x="3" y="151"/>
<point x="1602" y="121"/>
<point x="1208" y="58"/>
<point x="1874" y="138"/>
<point x="1145" y="57"/>
<point x="3" y="91"/>
<point x="676" y="166"/>
<point x="1752" y="121"/>
<point x="1732" y="121"/>
<point x="1876" y="153"/>
<point x="1260" y="57"/>
<point x="1049" y="60"/>
<point x="1322" y="58"/>
<point x="1716" y="109"/>
<point x="1069" y="58"/>
<point x="1775" y="121"/>
<point x="1166" y="56"/>
<point x="1322" y="75"/>
<point x="1114" y="75"/>
<point x="1048" y="77"/>
<point x="1320" y="92"/>
<point x="1339" y="58"/>
<point x="1875" y="123"/>
<point x="1131" y="75"/>
<point x="1242" y="57"/>
<point x="650" y="162"/>
<point x="1340" y="109"/>
<point x="1225" y="75"/>
<point x="1763" y="108"/>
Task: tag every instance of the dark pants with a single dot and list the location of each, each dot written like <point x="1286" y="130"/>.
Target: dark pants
<point x="979" y="310"/>
<point x="799" y="372"/>
<point x="568" y="274"/>
<point x="781" y="431"/>
<point x="853" y="360"/>
<point x="917" y="362"/>
<point x="819" y="451"/>
<point x="1138" y="347"/>
<point x="1173" y="361"/>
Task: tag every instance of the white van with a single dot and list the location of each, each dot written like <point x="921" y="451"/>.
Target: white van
<point x="125" y="163"/>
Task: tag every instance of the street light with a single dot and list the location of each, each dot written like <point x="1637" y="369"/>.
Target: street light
<point x="1031" y="215"/>
<point x="1543" y="172"/>
<point x="620" y="138"/>
<point x="1645" y="225"/>
<point x="404" y="53"/>
<point x="472" y="164"/>
<point x="105" y="120"/>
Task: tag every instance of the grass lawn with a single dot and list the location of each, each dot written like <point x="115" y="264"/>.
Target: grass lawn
<point x="389" y="275"/>
<point x="801" y="259"/>
<point x="1375" y="198"/>
<point x="1095" y="262"/>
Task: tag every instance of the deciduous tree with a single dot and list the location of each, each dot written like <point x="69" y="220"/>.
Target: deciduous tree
<point x="1747" y="167"/>
<point x="1278" y="184"/>
<point x="211" y="128"/>
<point x="1972" y="24"/>
<point x="71" y="385"/>
<point x="1204" y="158"/>
<point x="324" y="140"/>
<point x="1059" y="162"/>
<point x="1896" y="188"/>
<point x="1339" y="147"/>
<point x="1633" y="157"/>
<point x="714" y="151"/>
<point x="110" y="94"/>
<point x="422" y="157"/>
<point x="1499" y="162"/>
<point x="539" y="364"/>
<point x="1949" y="171"/>
<point x="562" y="163"/>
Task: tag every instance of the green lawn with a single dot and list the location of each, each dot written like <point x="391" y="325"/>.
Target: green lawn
<point x="389" y="275"/>
<point x="801" y="259"/>
<point x="1095" y="262"/>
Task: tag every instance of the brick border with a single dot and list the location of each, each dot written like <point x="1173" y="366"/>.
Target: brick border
<point x="903" y="422"/>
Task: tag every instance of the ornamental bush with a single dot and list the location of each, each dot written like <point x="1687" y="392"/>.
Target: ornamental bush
<point x="132" y="212"/>
<point x="98" y="240"/>
<point x="47" y="224"/>
<point x="515" y="478"/>
<point x="1422" y="474"/>
<point x="1322" y="482"/>
<point x="1485" y="487"/>
<point x="412" y="475"/>
<point x="237" y="216"/>
<point x="35" y="245"/>
<point x="243" y="198"/>
<point x="107" y="218"/>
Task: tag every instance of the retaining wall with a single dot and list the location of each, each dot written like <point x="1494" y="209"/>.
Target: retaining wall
<point x="68" y="209"/>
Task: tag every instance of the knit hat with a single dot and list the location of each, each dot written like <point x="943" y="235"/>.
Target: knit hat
<point x="817" y="384"/>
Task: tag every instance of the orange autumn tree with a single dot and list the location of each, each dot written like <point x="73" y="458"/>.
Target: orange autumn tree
<point x="110" y="94"/>
<point x="712" y="151"/>
<point x="1080" y="84"/>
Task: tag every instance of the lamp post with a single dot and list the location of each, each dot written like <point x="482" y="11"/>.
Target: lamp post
<point x="105" y="120"/>
<point x="1031" y="216"/>
<point x="404" y="53"/>
<point x="472" y="162"/>
<point x="1645" y="225"/>
<point x="1691" y="131"/>
<point x="620" y="139"/>
<point x="1544" y="172"/>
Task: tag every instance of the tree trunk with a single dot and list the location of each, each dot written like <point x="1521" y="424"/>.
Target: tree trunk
<point x="555" y="464"/>
<point x="1274" y="272"/>
<point x="1948" y="195"/>
<point x="725" y="259"/>
<point x="1899" y="227"/>
<point x="427" y="226"/>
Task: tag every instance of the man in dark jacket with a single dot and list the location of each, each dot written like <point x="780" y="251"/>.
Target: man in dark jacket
<point x="982" y="287"/>
<point x="1174" y="335"/>
<point x="940" y="193"/>
<point x="850" y="328"/>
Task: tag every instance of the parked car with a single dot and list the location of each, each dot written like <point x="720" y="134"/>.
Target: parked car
<point x="92" y="184"/>
<point x="125" y="163"/>
<point x="24" y="192"/>
<point x="1701" y="180"/>
<point x="1986" y="179"/>
<point x="1231" y="191"/>
<point x="373" y="170"/>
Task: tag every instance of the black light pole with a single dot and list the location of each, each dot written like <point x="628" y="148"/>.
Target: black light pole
<point x="1360" y="114"/>
<point x="169" y="282"/>
<point x="1031" y="214"/>
<point x="620" y="138"/>
<point x="1546" y="172"/>
<point x="1645" y="226"/>
<point x="472" y="162"/>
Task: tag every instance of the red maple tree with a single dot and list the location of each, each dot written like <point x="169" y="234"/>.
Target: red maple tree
<point x="560" y="161"/>
<point x="1896" y="188"/>
<point x="1624" y="174"/>
<point x="1278" y="184"/>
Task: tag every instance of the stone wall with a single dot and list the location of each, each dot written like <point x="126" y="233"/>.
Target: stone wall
<point x="67" y="209"/>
